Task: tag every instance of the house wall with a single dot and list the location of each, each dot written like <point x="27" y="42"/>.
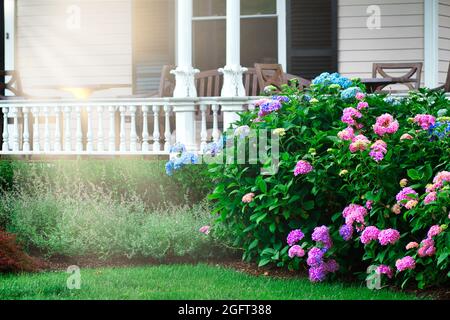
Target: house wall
<point x="444" y="39"/>
<point x="52" y="50"/>
<point x="400" y="38"/>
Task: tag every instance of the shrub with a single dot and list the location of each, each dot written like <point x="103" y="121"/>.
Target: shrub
<point x="12" y="258"/>
<point x="96" y="223"/>
<point x="340" y="149"/>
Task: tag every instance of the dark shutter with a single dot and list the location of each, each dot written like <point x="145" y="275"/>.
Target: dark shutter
<point x="153" y="42"/>
<point x="312" y="37"/>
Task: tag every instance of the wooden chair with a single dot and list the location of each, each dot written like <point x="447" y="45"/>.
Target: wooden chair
<point x="13" y="85"/>
<point x="272" y="74"/>
<point x="446" y="85"/>
<point x="410" y="79"/>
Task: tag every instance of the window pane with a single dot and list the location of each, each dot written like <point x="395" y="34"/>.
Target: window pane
<point x="209" y="44"/>
<point x="259" y="41"/>
<point x="253" y="7"/>
<point x="206" y="8"/>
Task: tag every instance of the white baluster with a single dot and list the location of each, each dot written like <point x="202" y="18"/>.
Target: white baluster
<point x="36" y="138"/>
<point x="89" y="133"/>
<point x="15" y="115"/>
<point x="145" y="134"/>
<point x="5" y="134"/>
<point x="204" y="132"/>
<point x="156" y="134"/>
<point x="133" y="133"/>
<point x="67" y="131"/>
<point x="167" y="131"/>
<point x="58" y="146"/>
<point x="79" y="132"/>
<point x="100" y="137"/>
<point x="26" y="129"/>
<point x="112" y="129"/>
<point x="123" y="137"/>
<point x="216" y="132"/>
<point x="46" y="129"/>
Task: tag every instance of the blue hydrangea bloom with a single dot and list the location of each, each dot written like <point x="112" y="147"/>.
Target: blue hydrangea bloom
<point x="350" y="93"/>
<point x="441" y="130"/>
<point x="334" y="78"/>
<point x="393" y="101"/>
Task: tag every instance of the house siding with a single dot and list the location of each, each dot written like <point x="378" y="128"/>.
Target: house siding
<point x="51" y="53"/>
<point x="400" y="38"/>
<point x="444" y="39"/>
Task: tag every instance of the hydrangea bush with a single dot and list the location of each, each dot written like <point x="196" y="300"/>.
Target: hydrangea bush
<point x="363" y="181"/>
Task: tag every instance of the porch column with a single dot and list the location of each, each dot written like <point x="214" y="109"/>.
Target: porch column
<point x="184" y="76"/>
<point x="232" y="80"/>
<point x="431" y="43"/>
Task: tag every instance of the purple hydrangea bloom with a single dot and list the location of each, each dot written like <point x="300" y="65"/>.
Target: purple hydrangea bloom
<point x="322" y="235"/>
<point x="294" y="237"/>
<point x="317" y="274"/>
<point x="315" y="256"/>
<point x="346" y="232"/>
<point x="369" y="234"/>
<point x="331" y="266"/>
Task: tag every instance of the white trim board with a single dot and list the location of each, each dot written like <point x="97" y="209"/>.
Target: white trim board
<point x="10" y="31"/>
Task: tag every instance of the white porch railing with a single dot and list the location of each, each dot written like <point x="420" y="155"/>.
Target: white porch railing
<point x="114" y="126"/>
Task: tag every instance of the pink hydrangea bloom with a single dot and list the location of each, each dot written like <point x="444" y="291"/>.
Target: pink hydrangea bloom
<point x="362" y="105"/>
<point x="378" y="150"/>
<point x="205" y="230"/>
<point x="424" y="120"/>
<point x="406" y="136"/>
<point x="369" y="204"/>
<point x="406" y="195"/>
<point x="354" y="213"/>
<point x="296" y="251"/>
<point x="385" y="124"/>
<point x="396" y="208"/>
<point x="427" y="248"/>
<point x="384" y="269"/>
<point x="406" y="263"/>
<point x="411" y="204"/>
<point x="438" y="181"/>
<point x="302" y="168"/>
<point x="388" y="236"/>
<point x="248" y="198"/>
<point x="347" y="134"/>
<point x="359" y="143"/>
<point x="434" y="231"/>
<point x="360" y="96"/>
<point x="369" y="234"/>
<point x="431" y="197"/>
<point x="412" y="245"/>
<point x="350" y="115"/>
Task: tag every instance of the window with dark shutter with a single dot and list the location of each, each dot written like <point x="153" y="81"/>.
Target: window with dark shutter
<point x="153" y="42"/>
<point x="312" y="37"/>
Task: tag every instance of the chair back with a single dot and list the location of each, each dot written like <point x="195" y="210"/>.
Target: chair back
<point x="447" y="81"/>
<point x="270" y="74"/>
<point x="11" y="82"/>
<point x="410" y="79"/>
<point x="167" y="82"/>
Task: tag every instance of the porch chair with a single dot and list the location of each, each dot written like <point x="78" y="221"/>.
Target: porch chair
<point x="13" y="85"/>
<point x="273" y="74"/>
<point x="446" y="85"/>
<point x="411" y="79"/>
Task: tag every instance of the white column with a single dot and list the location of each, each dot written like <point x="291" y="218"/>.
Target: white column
<point x="232" y="82"/>
<point x="185" y="76"/>
<point x="184" y="73"/>
<point x="282" y="33"/>
<point x="431" y="39"/>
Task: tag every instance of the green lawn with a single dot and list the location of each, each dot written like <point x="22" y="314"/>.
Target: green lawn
<point x="178" y="282"/>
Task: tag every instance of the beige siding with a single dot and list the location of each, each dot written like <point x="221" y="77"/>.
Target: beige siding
<point x="51" y="53"/>
<point x="400" y="39"/>
<point x="444" y="39"/>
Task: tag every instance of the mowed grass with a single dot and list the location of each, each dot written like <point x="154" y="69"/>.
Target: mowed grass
<point x="179" y="282"/>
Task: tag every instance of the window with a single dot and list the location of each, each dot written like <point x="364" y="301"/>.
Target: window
<point x="259" y="28"/>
